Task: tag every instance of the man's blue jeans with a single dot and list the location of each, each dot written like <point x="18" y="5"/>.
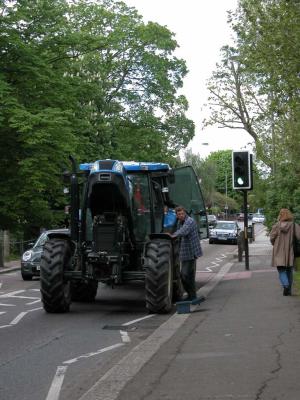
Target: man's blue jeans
<point x="188" y="274"/>
<point x="285" y="276"/>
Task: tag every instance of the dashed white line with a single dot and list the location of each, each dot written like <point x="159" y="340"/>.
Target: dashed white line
<point x="2" y="312"/>
<point x="215" y="264"/>
<point x="56" y="384"/>
<point x="8" y="305"/>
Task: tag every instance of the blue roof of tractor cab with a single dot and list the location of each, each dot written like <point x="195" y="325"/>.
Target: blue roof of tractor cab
<point x="119" y="166"/>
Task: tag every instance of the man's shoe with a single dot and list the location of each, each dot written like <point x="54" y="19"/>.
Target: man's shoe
<point x="191" y="298"/>
<point x="286" y="291"/>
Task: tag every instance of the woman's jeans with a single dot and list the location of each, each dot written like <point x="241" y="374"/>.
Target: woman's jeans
<point x="188" y="274"/>
<point x="285" y="276"/>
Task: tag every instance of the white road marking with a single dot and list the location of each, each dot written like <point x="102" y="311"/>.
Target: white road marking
<point x="55" y="388"/>
<point x="33" y="302"/>
<point x="1" y="285"/>
<point x="56" y="384"/>
<point x="8" y="305"/>
<point x="35" y="290"/>
<point x="125" y="337"/>
<point x="138" y="320"/>
<point x="215" y="264"/>
<point x="2" y="312"/>
<point x="88" y="355"/>
<point x="11" y="294"/>
<point x="18" y="318"/>
<point x="23" y="297"/>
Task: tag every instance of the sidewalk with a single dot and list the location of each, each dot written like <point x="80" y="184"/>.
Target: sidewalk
<point x="241" y="343"/>
<point x="10" y="266"/>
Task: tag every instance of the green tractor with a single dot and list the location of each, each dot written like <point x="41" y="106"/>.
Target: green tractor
<point x="118" y="233"/>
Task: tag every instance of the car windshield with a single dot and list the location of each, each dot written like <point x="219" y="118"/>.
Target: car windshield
<point x="41" y="240"/>
<point x="224" y="225"/>
<point x="258" y="216"/>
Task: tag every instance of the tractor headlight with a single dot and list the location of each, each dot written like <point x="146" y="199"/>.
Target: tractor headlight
<point x="95" y="167"/>
<point x="27" y="255"/>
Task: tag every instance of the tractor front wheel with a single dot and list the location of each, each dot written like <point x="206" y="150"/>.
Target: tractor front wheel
<point x="56" y="292"/>
<point x="159" y="276"/>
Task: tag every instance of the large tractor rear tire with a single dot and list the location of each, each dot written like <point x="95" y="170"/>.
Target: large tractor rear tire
<point x="84" y="291"/>
<point x="159" y="276"/>
<point x="56" y="292"/>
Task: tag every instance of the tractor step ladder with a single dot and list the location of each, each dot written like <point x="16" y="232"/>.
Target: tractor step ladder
<point x="184" y="307"/>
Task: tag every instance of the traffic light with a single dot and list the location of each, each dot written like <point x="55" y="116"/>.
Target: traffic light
<point x="241" y="170"/>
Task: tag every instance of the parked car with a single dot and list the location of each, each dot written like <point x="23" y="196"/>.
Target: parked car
<point x="30" y="262"/>
<point x="224" y="231"/>
<point x="240" y="217"/>
<point x="258" y="218"/>
<point x="211" y="219"/>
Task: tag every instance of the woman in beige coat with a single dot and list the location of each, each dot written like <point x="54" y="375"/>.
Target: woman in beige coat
<point x="282" y="238"/>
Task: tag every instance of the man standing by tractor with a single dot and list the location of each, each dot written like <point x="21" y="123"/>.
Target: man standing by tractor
<point x="190" y="250"/>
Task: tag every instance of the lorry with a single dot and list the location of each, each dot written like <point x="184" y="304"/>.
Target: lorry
<point x="117" y="233"/>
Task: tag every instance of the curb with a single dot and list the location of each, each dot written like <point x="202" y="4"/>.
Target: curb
<point x="6" y="270"/>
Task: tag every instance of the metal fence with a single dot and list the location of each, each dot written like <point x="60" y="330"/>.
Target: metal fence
<point x="12" y="247"/>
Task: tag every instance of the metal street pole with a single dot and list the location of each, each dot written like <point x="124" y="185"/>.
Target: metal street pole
<point x="246" y="230"/>
<point x="226" y="205"/>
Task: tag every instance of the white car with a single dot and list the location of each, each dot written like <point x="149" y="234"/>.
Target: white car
<point x="224" y="231"/>
<point x="258" y="218"/>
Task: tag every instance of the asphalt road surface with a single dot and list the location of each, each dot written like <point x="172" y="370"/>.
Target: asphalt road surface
<point x="60" y="356"/>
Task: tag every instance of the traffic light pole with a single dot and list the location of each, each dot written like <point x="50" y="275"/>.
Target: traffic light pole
<point x="246" y="230"/>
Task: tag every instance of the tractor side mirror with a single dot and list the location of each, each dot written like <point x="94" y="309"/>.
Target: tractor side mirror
<point x="171" y="176"/>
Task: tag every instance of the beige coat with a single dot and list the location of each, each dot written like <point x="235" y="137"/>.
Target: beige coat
<point x="281" y="237"/>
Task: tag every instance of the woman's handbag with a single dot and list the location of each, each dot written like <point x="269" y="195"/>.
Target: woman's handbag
<point x="296" y="245"/>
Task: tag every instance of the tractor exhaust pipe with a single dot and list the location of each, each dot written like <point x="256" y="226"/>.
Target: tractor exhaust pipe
<point x="74" y="191"/>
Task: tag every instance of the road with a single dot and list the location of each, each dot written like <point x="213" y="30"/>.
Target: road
<point x="60" y="356"/>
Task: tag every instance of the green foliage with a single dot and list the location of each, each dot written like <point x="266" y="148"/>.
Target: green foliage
<point x="86" y="78"/>
<point x="256" y="87"/>
<point x="213" y="172"/>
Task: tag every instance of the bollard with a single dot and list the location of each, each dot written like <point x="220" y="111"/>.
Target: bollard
<point x="250" y="233"/>
<point x="241" y="245"/>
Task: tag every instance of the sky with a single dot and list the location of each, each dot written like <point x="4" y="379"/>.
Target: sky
<point x="201" y="29"/>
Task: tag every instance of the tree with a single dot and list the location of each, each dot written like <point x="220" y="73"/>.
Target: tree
<point x="87" y="78"/>
<point x="256" y="87"/>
